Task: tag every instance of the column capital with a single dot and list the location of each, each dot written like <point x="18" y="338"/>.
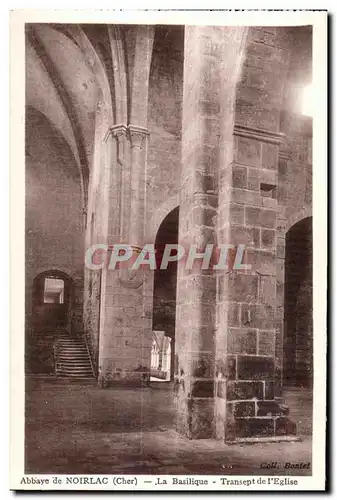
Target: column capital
<point x="116" y="131"/>
<point x="137" y="135"/>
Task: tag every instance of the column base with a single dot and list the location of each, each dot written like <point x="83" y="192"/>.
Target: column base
<point x="254" y="429"/>
<point x="232" y="421"/>
<point x="197" y="423"/>
<point x="194" y="417"/>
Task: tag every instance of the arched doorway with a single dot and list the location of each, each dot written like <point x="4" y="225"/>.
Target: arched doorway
<point x="52" y="297"/>
<point x="51" y="317"/>
<point x="164" y="302"/>
<point x="298" y="308"/>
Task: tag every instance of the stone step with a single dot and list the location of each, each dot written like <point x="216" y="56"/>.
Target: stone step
<point x="64" y="344"/>
<point x="71" y="349"/>
<point x="70" y="366"/>
<point x="87" y="373"/>
<point x="72" y="358"/>
<point x="80" y="371"/>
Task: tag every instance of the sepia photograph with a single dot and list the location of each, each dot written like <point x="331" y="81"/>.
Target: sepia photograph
<point x="168" y="240"/>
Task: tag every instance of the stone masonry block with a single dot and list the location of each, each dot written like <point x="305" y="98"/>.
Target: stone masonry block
<point x="274" y="55"/>
<point x="262" y="262"/>
<point x="268" y="176"/>
<point x="236" y="214"/>
<point x="254" y="427"/>
<point x="281" y="248"/>
<point x="268" y="238"/>
<point x="270" y="408"/>
<point x="255" y="368"/>
<point x="201" y="418"/>
<point x="241" y="287"/>
<point x="244" y="197"/>
<point x="260" y="316"/>
<point x="266" y="344"/>
<point x="252" y="116"/>
<point x="285" y="427"/>
<point x="241" y="341"/>
<point x="270" y="156"/>
<point x="244" y="409"/>
<point x="226" y="368"/>
<point x="203" y="365"/>
<point x="258" y="78"/>
<point x="239" y="174"/>
<point x="234" y="314"/>
<point x="269" y="202"/>
<point x="267" y="290"/>
<point x="244" y="390"/>
<point x="249" y="236"/>
<point x="253" y="179"/>
<point x="247" y="152"/>
<point x="203" y="389"/>
<point x="260" y="217"/>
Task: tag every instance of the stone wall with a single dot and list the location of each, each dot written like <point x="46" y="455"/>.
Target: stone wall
<point x="164" y="118"/>
<point x="54" y="231"/>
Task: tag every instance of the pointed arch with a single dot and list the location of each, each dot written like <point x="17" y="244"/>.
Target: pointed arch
<point x="295" y="217"/>
<point x="119" y="65"/>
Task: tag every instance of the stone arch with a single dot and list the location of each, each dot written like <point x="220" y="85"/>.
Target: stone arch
<point x="159" y="215"/>
<point x="65" y="135"/>
<point x="119" y="73"/>
<point x="55" y="273"/>
<point x="296" y="217"/>
<point x="95" y="64"/>
<point x="165" y="282"/>
<point x="50" y="318"/>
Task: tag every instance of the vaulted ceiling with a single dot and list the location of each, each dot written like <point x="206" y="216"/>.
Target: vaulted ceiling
<point x="73" y="70"/>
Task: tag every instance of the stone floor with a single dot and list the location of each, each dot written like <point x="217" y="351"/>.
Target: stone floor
<point x="76" y="428"/>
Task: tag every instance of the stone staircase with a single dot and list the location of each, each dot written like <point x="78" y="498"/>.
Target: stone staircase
<point x="72" y="358"/>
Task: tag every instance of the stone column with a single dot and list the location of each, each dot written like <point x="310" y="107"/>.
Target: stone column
<point x="248" y="317"/>
<point x="247" y="298"/>
<point x="138" y="140"/>
<point x="126" y="309"/>
<point x="126" y="294"/>
<point x="211" y="68"/>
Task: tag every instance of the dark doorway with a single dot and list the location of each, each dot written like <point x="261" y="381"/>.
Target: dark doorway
<point x="52" y="302"/>
<point x="51" y="317"/>
<point x="164" y="302"/>
<point x="298" y="319"/>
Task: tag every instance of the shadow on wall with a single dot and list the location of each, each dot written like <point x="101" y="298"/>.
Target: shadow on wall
<point x="165" y="283"/>
<point x="298" y="310"/>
